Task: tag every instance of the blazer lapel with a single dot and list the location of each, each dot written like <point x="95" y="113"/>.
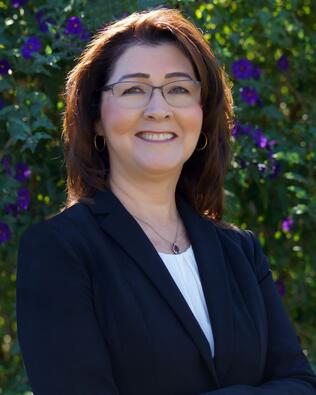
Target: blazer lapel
<point x="122" y="227"/>
<point x="211" y="263"/>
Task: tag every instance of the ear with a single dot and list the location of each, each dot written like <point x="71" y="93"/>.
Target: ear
<point x="98" y="128"/>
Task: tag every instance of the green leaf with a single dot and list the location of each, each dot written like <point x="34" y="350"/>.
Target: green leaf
<point x="299" y="209"/>
<point x="300" y="193"/>
<point x="294" y="176"/>
<point x="43" y="122"/>
<point x="18" y="129"/>
<point x="272" y="112"/>
<point x="32" y="141"/>
<point x="291" y="157"/>
<point x="312" y="208"/>
<point x="6" y="111"/>
<point x="4" y="85"/>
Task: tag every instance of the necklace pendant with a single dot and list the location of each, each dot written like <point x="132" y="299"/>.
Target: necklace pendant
<point x="175" y="249"/>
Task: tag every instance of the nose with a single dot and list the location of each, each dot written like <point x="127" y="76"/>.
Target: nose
<point x="157" y="106"/>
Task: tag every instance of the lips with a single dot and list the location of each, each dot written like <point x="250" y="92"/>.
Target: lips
<point x="157" y="131"/>
<point x="156" y="137"/>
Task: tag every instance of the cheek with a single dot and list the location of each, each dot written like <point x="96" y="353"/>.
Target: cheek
<point x="192" y="120"/>
<point x="117" y="121"/>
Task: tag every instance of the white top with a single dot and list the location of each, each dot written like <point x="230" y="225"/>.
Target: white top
<point x="184" y="271"/>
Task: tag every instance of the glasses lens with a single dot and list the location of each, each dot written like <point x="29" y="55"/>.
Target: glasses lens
<point x="131" y="94"/>
<point x="182" y="93"/>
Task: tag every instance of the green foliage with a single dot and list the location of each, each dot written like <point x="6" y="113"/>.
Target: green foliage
<point x="285" y="187"/>
<point x="271" y="185"/>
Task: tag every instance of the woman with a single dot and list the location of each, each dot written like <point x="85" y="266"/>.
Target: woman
<point x="137" y="287"/>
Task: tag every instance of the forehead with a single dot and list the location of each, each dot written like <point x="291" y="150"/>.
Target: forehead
<point x="155" y="60"/>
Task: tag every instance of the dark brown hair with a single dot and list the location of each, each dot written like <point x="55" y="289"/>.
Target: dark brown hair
<point x="202" y="177"/>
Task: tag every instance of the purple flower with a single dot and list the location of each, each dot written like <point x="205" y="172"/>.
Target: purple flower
<point x="269" y="147"/>
<point x="43" y="22"/>
<point x="242" y="164"/>
<point x="236" y="130"/>
<point x="249" y="95"/>
<point x="2" y="103"/>
<point x="6" y="164"/>
<point x="242" y="69"/>
<point x="18" y="3"/>
<point x="5" y="232"/>
<point x="275" y="168"/>
<point x="242" y="130"/>
<point x="39" y="15"/>
<point x="271" y="144"/>
<point x="280" y="287"/>
<point x="73" y="26"/>
<point x="259" y="138"/>
<point x="23" y="198"/>
<point x="287" y="224"/>
<point x="248" y="129"/>
<point x="85" y="35"/>
<point x="256" y="72"/>
<point x="22" y="172"/>
<point x="12" y="209"/>
<point x="262" y="141"/>
<point x="21" y="204"/>
<point x="283" y="63"/>
<point x="4" y="66"/>
<point x="31" y="45"/>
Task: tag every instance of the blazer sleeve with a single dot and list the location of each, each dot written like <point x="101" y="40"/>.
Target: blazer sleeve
<point x="61" y="343"/>
<point x="287" y="370"/>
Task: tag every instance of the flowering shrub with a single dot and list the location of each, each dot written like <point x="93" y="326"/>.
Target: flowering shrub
<point x="268" y="51"/>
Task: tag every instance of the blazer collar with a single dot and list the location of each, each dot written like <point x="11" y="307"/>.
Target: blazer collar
<point x="116" y="221"/>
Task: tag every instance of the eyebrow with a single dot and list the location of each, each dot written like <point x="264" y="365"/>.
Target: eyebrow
<point x="143" y="75"/>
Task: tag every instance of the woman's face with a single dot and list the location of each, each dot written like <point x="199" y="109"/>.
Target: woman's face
<point x="129" y="154"/>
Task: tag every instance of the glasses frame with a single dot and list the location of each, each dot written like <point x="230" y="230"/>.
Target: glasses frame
<point x="160" y="87"/>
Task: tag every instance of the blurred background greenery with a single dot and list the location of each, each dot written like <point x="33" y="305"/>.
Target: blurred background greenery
<point x="268" y="48"/>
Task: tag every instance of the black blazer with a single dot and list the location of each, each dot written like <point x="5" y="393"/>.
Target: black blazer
<point x="99" y="314"/>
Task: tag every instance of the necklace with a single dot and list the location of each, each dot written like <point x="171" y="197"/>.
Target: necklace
<point x="174" y="247"/>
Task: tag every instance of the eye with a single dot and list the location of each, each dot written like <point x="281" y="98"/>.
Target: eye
<point x="133" y="90"/>
<point x="178" y="89"/>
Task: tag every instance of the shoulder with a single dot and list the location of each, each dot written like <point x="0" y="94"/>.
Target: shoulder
<point x="245" y="242"/>
<point x="55" y="250"/>
<point x="231" y="235"/>
<point x="63" y="229"/>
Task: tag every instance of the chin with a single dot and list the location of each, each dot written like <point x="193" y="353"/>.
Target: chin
<point x="161" y="168"/>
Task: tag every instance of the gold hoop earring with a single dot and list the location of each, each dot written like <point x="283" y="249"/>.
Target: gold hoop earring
<point x="205" y="143"/>
<point x="96" y="145"/>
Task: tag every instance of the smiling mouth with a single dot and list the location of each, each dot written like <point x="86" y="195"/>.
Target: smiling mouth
<point x="155" y="137"/>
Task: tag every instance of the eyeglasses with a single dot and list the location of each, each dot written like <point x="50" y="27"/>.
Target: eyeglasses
<point x="133" y="94"/>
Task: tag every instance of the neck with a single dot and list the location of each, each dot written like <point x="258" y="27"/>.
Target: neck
<point x="147" y="199"/>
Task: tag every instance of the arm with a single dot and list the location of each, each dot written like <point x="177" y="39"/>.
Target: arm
<point x="61" y="343"/>
<point x="287" y="371"/>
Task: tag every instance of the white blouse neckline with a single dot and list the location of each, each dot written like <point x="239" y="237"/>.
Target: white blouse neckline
<point x="182" y="253"/>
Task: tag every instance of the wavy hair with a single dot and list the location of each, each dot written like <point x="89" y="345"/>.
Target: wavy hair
<point x="202" y="178"/>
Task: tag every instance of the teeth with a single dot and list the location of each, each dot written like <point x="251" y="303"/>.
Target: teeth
<point x="156" y="136"/>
